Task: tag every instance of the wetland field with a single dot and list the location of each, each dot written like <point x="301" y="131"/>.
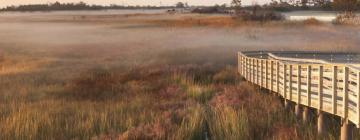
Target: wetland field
<point x="147" y="75"/>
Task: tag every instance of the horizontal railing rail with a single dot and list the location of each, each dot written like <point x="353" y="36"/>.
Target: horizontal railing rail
<point x="332" y="88"/>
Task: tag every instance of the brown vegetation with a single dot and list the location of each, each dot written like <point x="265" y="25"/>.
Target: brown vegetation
<point x="347" y="19"/>
<point x="94" y="81"/>
<point x="200" y="21"/>
<point x="312" y="21"/>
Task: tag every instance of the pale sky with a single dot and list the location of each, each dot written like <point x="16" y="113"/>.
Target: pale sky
<point x="4" y="3"/>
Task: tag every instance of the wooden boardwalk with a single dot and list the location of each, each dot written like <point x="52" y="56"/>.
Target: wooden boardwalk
<point x="329" y="87"/>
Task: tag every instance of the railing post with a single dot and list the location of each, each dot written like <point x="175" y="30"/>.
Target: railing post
<point x="253" y="64"/>
<point x="290" y="82"/>
<point x="266" y="74"/>
<point x="346" y="126"/>
<point x="257" y="72"/>
<point x="250" y="70"/>
<point x="262" y="73"/>
<point x="320" y="88"/>
<point x="306" y="111"/>
<point x="243" y="66"/>
<point x="247" y="69"/>
<point x="299" y="84"/>
<point x="321" y="117"/>
<point x="298" y="105"/>
<point x="345" y="96"/>
<point x="334" y="90"/>
<point x="286" y="102"/>
<point x="271" y="76"/>
<point x="277" y="77"/>
<point x="309" y="85"/>
<point x="239" y="63"/>
<point x="358" y="98"/>
<point x="284" y="81"/>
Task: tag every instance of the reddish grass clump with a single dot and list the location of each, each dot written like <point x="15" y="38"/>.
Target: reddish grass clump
<point x="312" y="21"/>
<point x="150" y="131"/>
<point x="199" y="21"/>
<point x="95" y="85"/>
<point x="282" y="132"/>
<point x="227" y="76"/>
<point x="263" y="111"/>
<point x="102" y="84"/>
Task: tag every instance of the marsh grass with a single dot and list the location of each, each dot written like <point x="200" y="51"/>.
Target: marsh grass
<point x="228" y="22"/>
<point x="106" y="93"/>
<point x="228" y="123"/>
<point x="154" y="103"/>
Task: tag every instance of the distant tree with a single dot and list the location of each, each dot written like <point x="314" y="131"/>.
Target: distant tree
<point x="304" y="3"/>
<point x="180" y="5"/>
<point x="186" y="5"/>
<point x="236" y="4"/>
<point x="345" y="5"/>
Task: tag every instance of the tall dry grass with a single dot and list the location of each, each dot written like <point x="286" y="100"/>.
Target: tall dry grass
<point x="228" y="123"/>
<point x="183" y="102"/>
<point x="138" y="91"/>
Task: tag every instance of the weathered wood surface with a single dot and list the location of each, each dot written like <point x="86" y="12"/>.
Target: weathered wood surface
<point x="332" y="88"/>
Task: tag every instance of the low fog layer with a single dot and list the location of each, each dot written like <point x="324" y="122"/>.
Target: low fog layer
<point x="129" y="40"/>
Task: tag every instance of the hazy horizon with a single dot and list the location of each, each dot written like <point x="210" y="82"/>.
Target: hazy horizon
<point x="4" y="3"/>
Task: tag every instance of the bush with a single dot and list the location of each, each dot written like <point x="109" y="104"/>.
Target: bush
<point x="312" y="21"/>
<point x="95" y="85"/>
<point x="210" y="10"/>
<point x="226" y="76"/>
<point x="2" y="56"/>
<point x="260" y="16"/>
<point x="348" y="19"/>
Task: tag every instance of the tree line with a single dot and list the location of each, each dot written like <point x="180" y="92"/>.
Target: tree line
<point x="278" y="5"/>
<point x="73" y="6"/>
<point x="331" y="5"/>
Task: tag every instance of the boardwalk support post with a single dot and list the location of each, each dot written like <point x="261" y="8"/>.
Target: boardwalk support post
<point x="321" y="128"/>
<point x="306" y="114"/>
<point x="346" y="130"/>
<point x="287" y="104"/>
<point x="298" y="111"/>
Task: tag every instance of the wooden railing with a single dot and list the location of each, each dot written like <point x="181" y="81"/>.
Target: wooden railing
<point x="332" y="88"/>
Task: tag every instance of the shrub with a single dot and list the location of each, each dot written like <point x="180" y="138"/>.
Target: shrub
<point x="210" y="10"/>
<point x="226" y="76"/>
<point x="312" y="21"/>
<point x="2" y="56"/>
<point x="260" y="16"/>
<point x="347" y="18"/>
<point x="96" y="84"/>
